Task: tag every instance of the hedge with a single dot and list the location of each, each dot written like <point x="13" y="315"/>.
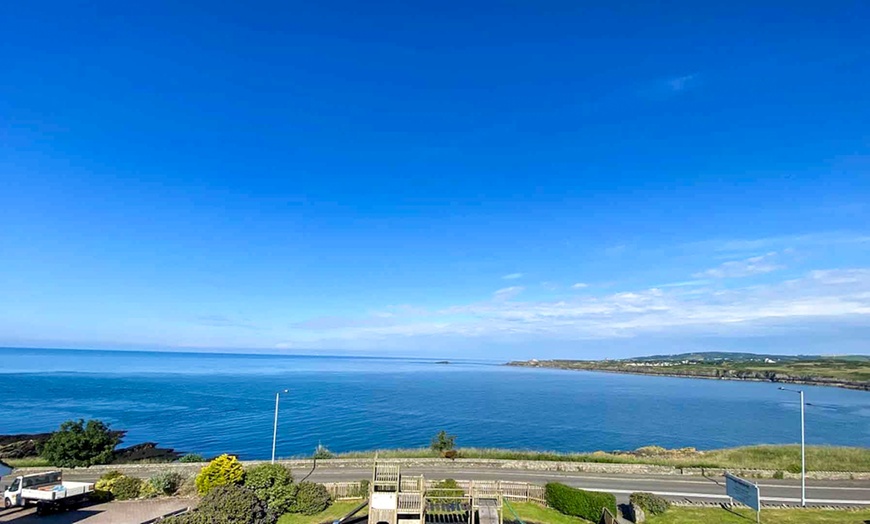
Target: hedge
<point x="650" y="503"/>
<point x="577" y="502"/>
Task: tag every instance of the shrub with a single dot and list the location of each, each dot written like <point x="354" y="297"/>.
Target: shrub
<point x="779" y="475"/>
<point x="222" y="471"/>
<point x="362" y="489"/>
<point x="147" y="491"/>
<point x="103" y="487"/>
<point x="650" y="503"/>
<point x="166" y="483"/>
<point x="577" y="502"/>
<point x="192" y="457"/>
<point x="443" y="442"/>
<point x="77" y="444"/>
<point x="794" y="468"/>
<point x="234" y="504"/>
<point x="311" y="499"/>
<point x="126" y="488"/>
<point x="273" y="484"/>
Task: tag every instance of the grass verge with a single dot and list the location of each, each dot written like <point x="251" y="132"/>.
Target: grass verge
<point x="28" y="462"/>
<point x="768" y="516"/>
<point x="532" y="513"/>
<point x="334" y="512"/>
<point x="777" y="458"/>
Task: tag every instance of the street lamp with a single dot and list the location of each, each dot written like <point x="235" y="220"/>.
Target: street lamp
<point x="803" y="448"/>
<point x="275" y="428"/>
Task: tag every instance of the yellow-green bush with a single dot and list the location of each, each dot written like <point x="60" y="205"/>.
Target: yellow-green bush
<point x="222" y="471"/>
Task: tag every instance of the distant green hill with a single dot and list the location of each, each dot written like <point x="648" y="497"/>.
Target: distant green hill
<point x="846" y="371"/>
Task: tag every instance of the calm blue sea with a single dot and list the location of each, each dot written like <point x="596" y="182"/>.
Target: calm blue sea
<point x="213" y="403"/>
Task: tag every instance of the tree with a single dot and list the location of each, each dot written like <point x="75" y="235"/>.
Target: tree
<point x="443" y="442"/>
<point x="80" y="444"/>
<point x="222" y="471"/>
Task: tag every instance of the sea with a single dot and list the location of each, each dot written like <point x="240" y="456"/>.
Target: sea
<point x="211" y="403"/>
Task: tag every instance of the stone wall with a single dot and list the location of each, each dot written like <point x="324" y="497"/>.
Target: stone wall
<point x="145" y="470"/>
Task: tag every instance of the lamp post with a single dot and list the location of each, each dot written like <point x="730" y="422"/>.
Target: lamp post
<point x="275" y="428"/>
<point x="803" y="448"/>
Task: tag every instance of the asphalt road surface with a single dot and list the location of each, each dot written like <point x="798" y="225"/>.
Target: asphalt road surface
<point x="678" y="488"/>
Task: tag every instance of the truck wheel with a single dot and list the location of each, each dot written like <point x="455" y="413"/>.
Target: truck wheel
<point x="7" y="503"/>
<point x="40" y="508"/>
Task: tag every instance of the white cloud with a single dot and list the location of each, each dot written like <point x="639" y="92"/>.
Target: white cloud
<point x="507" y="293"/>
<point x="743" y="268"/>
<point x="833" y="296"/>
<point x="513" y="276"/>
<point x="580" y="285"/>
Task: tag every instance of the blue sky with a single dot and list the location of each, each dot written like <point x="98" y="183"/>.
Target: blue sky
<point x="481" y="179"/>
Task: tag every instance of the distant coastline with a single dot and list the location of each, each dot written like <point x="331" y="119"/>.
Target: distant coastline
<point x="846" y="373"/>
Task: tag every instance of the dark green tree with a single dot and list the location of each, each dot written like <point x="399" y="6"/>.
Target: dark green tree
<point x="443" y="442"/>
<point x="79" y="444"/>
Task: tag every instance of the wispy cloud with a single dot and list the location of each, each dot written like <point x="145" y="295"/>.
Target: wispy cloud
<point x="580" y="285"/>
<point x="743" y="268"/>
<point x="215" y="320"/>
<point x="507" y="293"/>
<point x="838" y="295"/>
<point x="512" y="276"/>
<point x="681" y="83"/>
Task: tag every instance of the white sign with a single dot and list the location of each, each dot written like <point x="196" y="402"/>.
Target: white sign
<point x="743" y="491"/>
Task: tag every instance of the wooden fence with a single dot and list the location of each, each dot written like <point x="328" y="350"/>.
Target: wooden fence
<point x="514" y="491"/>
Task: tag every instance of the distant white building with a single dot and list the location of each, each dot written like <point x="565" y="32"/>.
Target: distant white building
<point x="769" y="361"/>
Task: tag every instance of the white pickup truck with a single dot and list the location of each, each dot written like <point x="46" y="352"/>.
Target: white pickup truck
<point x="47" y="490"/>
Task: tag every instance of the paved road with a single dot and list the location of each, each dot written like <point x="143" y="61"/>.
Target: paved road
<point x="695" y="489"/>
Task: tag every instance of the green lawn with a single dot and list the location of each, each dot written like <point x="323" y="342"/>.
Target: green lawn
<point x="532" y="513"/>
<point x="336" y="511"/>
<point x="768" y="516"/>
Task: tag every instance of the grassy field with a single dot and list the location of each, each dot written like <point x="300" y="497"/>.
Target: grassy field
<point x="777" y="458"/>
<point x="29" y="462"/>
<point x="336" y="511"/>
<point x="768" y="516"/>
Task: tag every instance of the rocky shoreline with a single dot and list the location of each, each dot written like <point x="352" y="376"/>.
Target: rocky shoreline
<point x="717" y="374"/>
<point x="27" y="445"/>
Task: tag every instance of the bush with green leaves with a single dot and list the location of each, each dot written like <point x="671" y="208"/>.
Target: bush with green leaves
<point x="222" y="471"/>
<point x="126" y="488"/>
<point x="148" y="491"/>
<point x="311" y="498"/>
<point x="273" y="484"/>
<point x="166" y="483"/>
<point x="651" y="504"/>
<point x="191" y="457"/>
<point x="230" y="504"/>
<point x="80" y="444"/>
<point x="443" y="442"/>
<point x="103" y="487"/>
<point x="577" y="502"/>
<point x="361" y="490"/>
